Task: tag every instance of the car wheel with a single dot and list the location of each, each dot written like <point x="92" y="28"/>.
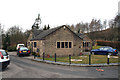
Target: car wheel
<point x="19" y="55"/>
<point x="4" y="67"/>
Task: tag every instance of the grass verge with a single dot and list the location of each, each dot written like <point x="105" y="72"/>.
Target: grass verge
<point x="84" y="59"/>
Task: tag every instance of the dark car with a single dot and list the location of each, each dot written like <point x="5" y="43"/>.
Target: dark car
<point x="23" y="51"/>
<point x="104" y="51"/>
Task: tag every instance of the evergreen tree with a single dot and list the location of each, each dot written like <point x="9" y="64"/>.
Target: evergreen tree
<point x="45" y="28"/>
<point x="48" y="27"/>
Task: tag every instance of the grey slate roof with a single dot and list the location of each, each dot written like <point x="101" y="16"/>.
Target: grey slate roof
<point x="45" y="33"/>
<point x="81" y="35"/>
<point x="36" y="32"/>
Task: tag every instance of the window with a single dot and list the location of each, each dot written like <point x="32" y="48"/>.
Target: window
<point x="4" y="53"/>
<point x="35" y="44"/>
<point x="83" y="44"/>
<point x="70" y="44"/>
<point x="28" y="44"/>
<point x="86" y="44"/>
<point x="23" y="48"/>
<point x="58" y="44"/>
<point x="64" y="44"/>
<point x="37" y="49"/>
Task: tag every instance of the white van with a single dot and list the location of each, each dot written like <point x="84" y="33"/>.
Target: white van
<point x="20" y="45"/>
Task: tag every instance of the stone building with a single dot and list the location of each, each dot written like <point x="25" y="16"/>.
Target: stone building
<point x="60" y="40"/>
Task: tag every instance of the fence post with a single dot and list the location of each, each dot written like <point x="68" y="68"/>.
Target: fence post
<point x="89" y="59"/>
<point x="43" y="56"/>
<point x="55" y="57"/>
<point x="108" y="59"/>
<point x="69" y="59"/>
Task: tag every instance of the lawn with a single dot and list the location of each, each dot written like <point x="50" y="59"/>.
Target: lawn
<point x="84" y="59"/>
<point x="96" y="47"/>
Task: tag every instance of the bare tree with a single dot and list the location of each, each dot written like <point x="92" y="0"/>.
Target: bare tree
<point x="16" y="35"/>
<point x="72" y="27"/>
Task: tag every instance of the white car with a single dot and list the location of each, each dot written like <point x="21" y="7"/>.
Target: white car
<point x="4" y="59"/>
<point x="19" y="46"/>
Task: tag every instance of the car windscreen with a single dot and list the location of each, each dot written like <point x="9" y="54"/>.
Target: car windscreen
<point x="4" y="53"/>
<point x="106" y="48"/>
<point x="23" y="49"/>
<point x="101" y="48"/>
<point x="21" y="45"/>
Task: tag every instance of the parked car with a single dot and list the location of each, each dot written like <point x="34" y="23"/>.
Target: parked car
<point x="23" y="51"/>
<point x="106" y="50"/>
<point x="19" y="46"/>
<point x="4" y="59"/>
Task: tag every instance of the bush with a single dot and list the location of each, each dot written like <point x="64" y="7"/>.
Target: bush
<point x="11" y="48"/>
<point x="114" y="44"/>
<point x="34" y="53"/>
<point x="37" y="54"/>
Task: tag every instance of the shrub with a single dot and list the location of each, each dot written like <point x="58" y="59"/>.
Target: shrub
<point x="37" y="54"/>
<point x="11" y="48"/>
<point x="114" y="44"/>
<point x="33" y="53"/>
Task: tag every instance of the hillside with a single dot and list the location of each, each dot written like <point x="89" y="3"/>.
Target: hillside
<point x="110" y="34"/>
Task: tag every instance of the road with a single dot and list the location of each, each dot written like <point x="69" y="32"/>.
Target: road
<point x="25" y="68"/>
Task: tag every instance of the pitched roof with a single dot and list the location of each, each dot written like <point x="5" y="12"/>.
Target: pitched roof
<point x="36" y="32"/>
<point x="81" y="35"/>
<point x="47" y="32"/>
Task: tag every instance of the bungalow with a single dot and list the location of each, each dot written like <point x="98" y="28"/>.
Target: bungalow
<point x="60" y="40"/>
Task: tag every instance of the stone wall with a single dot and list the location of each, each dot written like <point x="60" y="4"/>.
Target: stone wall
<point x="49" y="43"/>
<point x="62" y="35"/>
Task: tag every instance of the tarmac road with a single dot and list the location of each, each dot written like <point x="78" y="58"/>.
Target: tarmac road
<point x="25" y="68"/>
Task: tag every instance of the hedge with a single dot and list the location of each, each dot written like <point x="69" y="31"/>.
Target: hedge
<point x="114" y="44"/>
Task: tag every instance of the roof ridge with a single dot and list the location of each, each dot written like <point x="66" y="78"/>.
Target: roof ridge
<point x="45" y="33"/>
<point x="49" y="31"/>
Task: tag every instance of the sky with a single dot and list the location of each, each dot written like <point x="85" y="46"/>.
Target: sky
<point x="54" y="12"/>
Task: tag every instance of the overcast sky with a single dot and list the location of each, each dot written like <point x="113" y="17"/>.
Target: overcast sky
<point x="55" y="12"/>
